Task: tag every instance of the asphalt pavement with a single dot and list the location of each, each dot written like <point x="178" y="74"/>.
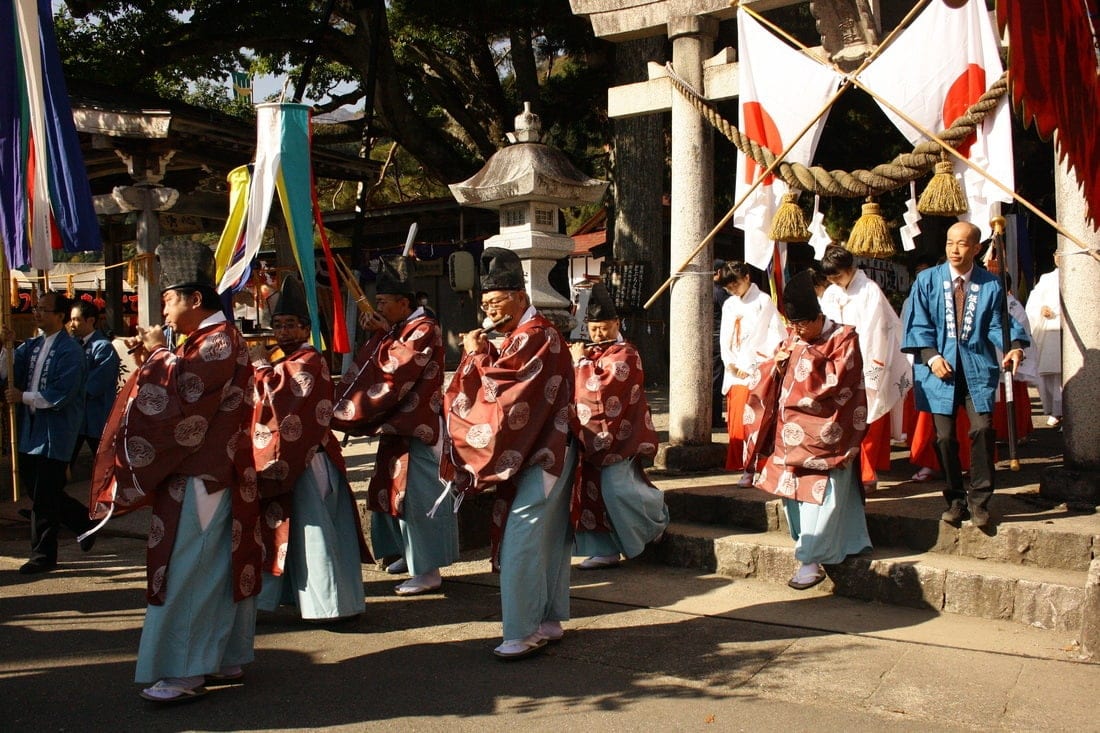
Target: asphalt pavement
<point x="648" y="647"/>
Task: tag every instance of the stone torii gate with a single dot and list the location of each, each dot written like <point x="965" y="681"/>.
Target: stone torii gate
<point x="692" y="26"/>
<point x="146" y="197"/>
<point x="847" y="36"/>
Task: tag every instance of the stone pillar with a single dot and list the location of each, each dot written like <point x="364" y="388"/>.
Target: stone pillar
<point x="147" y="234"/>
<point x="112" y="287"/>
<point x="146" y="201"/>
<point x="692" y="217"/>
<point x="1078" y="481"/>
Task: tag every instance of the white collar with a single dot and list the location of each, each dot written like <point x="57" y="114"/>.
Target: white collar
<point x="955" y="274"/>
<point x="212" y="320"/>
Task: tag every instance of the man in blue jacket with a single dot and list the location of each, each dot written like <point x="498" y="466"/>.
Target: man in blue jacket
<point x="47" y="386"/>
<point x="953" y="329"/>
<point x="101" y="382"/>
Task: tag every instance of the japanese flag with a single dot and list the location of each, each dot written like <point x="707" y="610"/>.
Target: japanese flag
<point x="934" y="71"/>
<point x="781" y="90"/>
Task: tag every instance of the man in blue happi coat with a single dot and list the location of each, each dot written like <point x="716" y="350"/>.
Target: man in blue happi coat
<point x="953" y="329"/>
<point x="47" y="386"/>
<point x="101" y="384"/>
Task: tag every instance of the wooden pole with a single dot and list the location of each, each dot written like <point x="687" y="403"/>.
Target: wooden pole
<point x="998" y="226"/>
<point x="848" y="82"/>
<point x="6" y="322"/>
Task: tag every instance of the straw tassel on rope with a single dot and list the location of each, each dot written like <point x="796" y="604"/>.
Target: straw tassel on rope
<point x="944" y="195"/>
<point x="870" y="236"/>
<point x="789" y="224"/>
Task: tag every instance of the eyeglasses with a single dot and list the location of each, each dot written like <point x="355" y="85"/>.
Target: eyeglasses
<point x="39" y="309"/>
<point x="286" y="326"/>
<point x="495" y="302"/>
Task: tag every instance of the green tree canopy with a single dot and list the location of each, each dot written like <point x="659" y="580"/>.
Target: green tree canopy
<point x="448" y="75"/>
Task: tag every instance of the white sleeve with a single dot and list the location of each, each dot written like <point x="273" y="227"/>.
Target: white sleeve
<point x="36" y="400"/>
<point x="726" y="332"/>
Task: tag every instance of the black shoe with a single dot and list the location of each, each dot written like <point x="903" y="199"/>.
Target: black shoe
<point x="87" y="543"/>
<point x="34" y="567"/>
<point x="979" y="516"/>
<point x="956" y="514"/>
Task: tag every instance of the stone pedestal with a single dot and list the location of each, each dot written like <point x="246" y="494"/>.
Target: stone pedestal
<point x="1090" y="614"/>
<point x="681" y="458"/>
<point x="539" y="251"/>
<point x="1075" y="487"/>
<point x="1079" y="481"/>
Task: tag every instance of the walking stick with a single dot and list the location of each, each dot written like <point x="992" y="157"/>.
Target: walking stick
<point x="998" y="244"/>
<point x="5" y="322"/>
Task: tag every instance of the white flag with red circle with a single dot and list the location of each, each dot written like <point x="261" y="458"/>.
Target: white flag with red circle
<point x="781" y="89"/>
<point x="933" y="72"/>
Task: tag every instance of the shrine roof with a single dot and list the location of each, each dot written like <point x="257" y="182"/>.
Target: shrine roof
<point x="206" y="143"/>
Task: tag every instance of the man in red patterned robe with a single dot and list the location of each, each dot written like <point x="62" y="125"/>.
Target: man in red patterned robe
<point x="615" y="509"/>
<point x="313" y="541"/>
<point x="805" y="419"/>
<point x="394" y="391"/>
<point x="508" y="413"/>
<point x="176" y="440"/>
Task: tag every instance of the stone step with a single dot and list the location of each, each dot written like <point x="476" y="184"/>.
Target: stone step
<point x="1048" y="598"/>
<point x="906" y="515"/>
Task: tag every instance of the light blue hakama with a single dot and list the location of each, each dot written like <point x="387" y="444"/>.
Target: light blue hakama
<point x="323" y="574"/>
<point x="385" y="535"/>
<point x="829" y="532"/>
<point x="426" y="543"/>
<point x="637" y="512"/>
<point x="199" y="629"/>
<point x="534" y="552"/>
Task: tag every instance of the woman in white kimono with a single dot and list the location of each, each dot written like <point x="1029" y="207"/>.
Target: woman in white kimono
<point x="1044" y="315"/>
<point x="853" y="299"/>
<point x="751" y="331"/>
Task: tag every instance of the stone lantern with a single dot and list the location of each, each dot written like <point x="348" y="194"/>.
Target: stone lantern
<point x="528" y="182"/>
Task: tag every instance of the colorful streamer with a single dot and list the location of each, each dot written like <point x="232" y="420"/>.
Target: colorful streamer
<point x="45" y="198"/>
<point x="282" y="166"/>
<point x="231" y="243"/>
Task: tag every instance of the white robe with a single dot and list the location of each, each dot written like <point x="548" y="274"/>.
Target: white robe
<point x="1028" y="368"/>
<point x="886" y="371"/>
<point x="750" y="332"/>
<point x="1047" y="332"/>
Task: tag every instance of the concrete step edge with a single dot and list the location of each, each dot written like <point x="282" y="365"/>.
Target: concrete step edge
<point x="904" y="523"/>
<point x="1040" y="597"/>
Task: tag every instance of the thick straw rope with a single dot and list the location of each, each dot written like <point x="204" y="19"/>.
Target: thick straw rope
<point x="858" y="183"/>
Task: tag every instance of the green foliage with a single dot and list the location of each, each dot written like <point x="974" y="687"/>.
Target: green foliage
<point x="451" y="75"/>
<point x="573" y="118"/>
